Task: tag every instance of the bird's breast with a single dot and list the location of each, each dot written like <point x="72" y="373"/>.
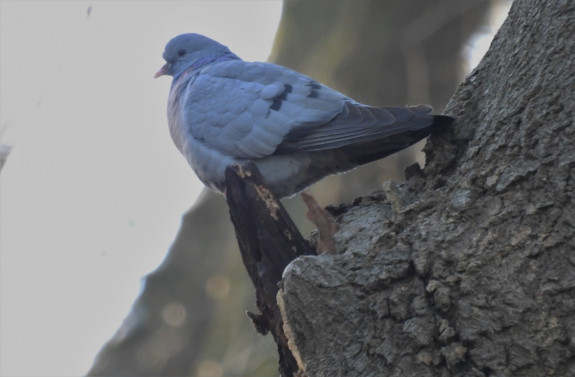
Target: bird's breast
<point x="176" y="100"/>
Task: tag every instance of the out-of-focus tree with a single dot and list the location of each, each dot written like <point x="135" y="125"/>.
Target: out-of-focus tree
<point x="189" y="318"/>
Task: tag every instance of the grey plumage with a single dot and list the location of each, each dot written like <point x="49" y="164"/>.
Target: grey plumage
<point x="222" y="110"/>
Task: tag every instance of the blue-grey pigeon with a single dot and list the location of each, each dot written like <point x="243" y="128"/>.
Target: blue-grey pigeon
<point x="223" y="110"/>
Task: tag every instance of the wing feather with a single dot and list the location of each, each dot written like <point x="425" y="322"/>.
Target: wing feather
<point x="356" y="124"/>
<point x="254" y="110"/>
<point x="247" y="109"/>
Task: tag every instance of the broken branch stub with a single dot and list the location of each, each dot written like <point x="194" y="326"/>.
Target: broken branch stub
<point x="268" y="241"/>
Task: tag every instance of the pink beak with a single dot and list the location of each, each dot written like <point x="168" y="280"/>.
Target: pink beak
<point x="163" y="71"/>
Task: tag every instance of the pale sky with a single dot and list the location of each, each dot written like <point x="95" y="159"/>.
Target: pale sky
<point x="93" y="191"/>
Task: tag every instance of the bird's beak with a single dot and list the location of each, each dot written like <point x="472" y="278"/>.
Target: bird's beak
<point x="163" y="71"/>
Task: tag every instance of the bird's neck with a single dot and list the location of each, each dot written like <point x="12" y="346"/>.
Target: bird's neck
<point x="205" y="61"/>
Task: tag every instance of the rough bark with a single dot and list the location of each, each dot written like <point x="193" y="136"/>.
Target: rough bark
<point x="468" y="268"/>
<point x="268" y="241"/>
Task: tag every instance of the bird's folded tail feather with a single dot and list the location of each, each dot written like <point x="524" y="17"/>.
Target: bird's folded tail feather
<point x="357" y="125"/>
<point x="366" y="152"/>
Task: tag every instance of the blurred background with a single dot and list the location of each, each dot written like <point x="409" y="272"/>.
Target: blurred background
<point x="100" y="252"/>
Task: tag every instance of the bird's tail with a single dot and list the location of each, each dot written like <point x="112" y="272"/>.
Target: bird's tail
<point x="365" y="152"/>
<point x="357" y="136"/>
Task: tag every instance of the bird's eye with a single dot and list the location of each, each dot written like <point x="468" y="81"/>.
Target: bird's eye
<point x="181" y="53"/>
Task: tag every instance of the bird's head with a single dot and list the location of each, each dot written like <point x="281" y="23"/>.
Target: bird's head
<point x="187" y="50"/>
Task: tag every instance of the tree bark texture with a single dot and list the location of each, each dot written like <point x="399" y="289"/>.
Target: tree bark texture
<point x="468" y="268"/>
<point x="268" y="241"/>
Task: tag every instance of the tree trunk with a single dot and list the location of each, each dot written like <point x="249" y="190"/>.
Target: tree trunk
<point x="468" y="268"/>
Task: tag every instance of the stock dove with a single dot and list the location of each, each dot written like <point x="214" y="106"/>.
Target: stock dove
<point x="223" y="110"/>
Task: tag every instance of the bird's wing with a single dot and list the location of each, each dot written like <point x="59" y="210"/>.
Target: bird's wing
<point x="356" y="124"/>
<point x="246" y="110"/>
<point x="253" y="110"/>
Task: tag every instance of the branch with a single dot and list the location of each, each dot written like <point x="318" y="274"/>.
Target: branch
<point x="268" y="241"/>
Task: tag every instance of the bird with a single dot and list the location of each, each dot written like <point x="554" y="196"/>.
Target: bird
<point x="223" y="111"/>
